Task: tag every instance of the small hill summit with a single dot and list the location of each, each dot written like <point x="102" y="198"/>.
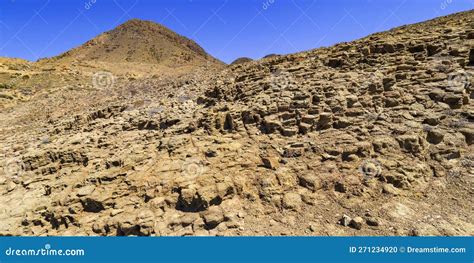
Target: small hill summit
<point x="139" y="41"/>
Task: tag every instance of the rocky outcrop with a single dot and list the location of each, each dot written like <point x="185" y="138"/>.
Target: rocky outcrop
<point x="371" y="137"/>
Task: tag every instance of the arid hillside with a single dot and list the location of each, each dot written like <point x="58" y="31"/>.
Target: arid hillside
<point x="370" y="137"/>
<point x="141" y="42"/>
<point x="136" y="49"/>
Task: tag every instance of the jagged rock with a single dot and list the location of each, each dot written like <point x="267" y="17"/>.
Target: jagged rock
<point x="211" y="153"/>
<point x="345" y="220"/>
<point x="91" y="205"/>
<point x="410" y="143"/>
<point x="195" y="200"/>
<point x="434" y="136"/>
<point x="371" y="221"/>
<point x="271" y="162"/>
<point x="11" y="186"/>
<point x="85" y="191"/>
<point x="455" y="101"/>
<point x="271" y="125"/>
<point x="433" y="49"/>
<point x="468" y="134"/>
<point x="229" y="122"/>
<point x="357" y="222"/>
<point x="291" y="201"/>
<point x="324" y="121"/>
<point x="309" y="181"/>
<point x="340" y="187"/>
<point x="335" y="62"/>
<point x="390" y="189"/>
<point x="293" y="152"/>
<point x="213" y="217"/>
<point x="289" y="132"/>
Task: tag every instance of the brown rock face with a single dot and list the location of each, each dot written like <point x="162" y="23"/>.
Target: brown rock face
<point x="139" y="41"/>
<point x="370" y="137"/>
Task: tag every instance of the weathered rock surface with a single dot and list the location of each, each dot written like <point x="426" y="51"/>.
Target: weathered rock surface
<point x="379" y="130"/>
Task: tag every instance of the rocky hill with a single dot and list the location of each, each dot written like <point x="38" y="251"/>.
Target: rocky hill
<point x="371" y="137"/>
<point x="136" y="49"/>
<point x="141" y="42"/>
<point x="241" y="60"/>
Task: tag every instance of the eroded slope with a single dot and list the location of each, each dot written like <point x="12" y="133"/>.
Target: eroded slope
<point x="371" y="137"/>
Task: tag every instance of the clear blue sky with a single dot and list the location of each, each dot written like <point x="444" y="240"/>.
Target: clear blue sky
<point x="32" y="29"/>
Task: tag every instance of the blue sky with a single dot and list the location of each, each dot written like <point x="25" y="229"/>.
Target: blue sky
<point x="33" y="29"/>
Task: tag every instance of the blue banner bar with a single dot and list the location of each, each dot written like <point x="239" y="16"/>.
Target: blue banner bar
<point x="237" y="249"/>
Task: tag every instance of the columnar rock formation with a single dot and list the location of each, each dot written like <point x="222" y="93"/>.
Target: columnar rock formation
<point x="370" y="137"/>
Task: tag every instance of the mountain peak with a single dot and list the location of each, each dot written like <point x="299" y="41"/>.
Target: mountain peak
<point x="137" y="21"/>
<point x="140" y="41"/>
<point x="142" y="25"/>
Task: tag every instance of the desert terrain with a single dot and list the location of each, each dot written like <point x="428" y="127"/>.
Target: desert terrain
<point x="140" y="132"/>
